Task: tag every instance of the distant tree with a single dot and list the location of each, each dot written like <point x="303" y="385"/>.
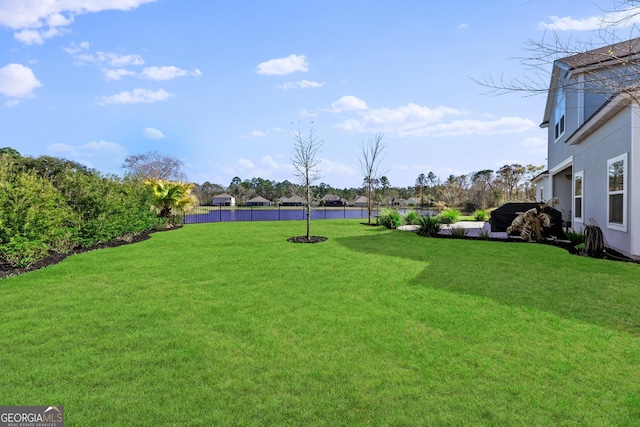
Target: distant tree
<point x="371" y="156"/>
<point x="384" y="185"/>
<point x="206" y="191"/>
<point x="421" y="182"/>
<point x="482" y="183"/>
<point x="509" y="177"/>
<point x="153" y="165"/>
<point x="11" y="152"/>
<point x="306" y="165"/>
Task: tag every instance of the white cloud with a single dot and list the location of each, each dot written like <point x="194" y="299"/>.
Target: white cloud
<point x="304" y="113"/>
<point x="117" y="73"/>
<point x="18" y="81"/>
<point x="74" y="48"/>
<point x="282" y="66"/>
<point x="463" y="26"/>
<point x="302" y="84"/>
<point x="401" y="119"/>
<point x="413" y="120"/>
<point x="137" y="96"/>
<point x="109" y="58"/>
<point x="348" y="103"/>
<point x="276" y="162"/>
<point x="29" y="37"/>
<point x="619" y="19"/>
<point x="501" y="126"/>
<point x="536" y="145"/>
<point x="329" y="167"/>
<point x="245" y="163"/>
<point x="45" y="19"/>
<point x="167" y="73"/>
<point x="102" y="155"/>
<point x="151" y="133"/>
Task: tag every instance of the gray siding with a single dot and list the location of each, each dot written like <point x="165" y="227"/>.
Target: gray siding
<point x="591" y="156"/>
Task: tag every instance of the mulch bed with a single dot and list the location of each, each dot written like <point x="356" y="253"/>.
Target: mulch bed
<point x="303" y="239"/>
<point x="7" y="270"/>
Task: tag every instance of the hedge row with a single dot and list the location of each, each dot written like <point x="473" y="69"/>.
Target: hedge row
<point x="50" y="205"/>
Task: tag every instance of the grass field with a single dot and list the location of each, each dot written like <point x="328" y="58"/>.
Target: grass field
<point x="229" y="324"/>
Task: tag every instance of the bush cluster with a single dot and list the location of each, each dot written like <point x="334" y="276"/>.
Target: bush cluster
<point x="51" y="205"/>
<point x="481" y="215"/>
<point x="449" y="216"/>
<point x="390" y="218"/>
<point x="429" y="226"/>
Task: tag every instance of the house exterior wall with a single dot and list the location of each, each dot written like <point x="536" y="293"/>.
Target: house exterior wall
<point x="610" y="140"/>
<point x="615" y="137"/>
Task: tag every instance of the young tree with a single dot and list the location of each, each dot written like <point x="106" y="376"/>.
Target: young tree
<point x="306" y="164"/>
<point x="153" y="165"/>
<point x="370" y="168"/>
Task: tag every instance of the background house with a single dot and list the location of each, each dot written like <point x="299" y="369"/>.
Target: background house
<point x="361" y="202"/>
<point x="258" y="201"/>
<point x="593" y="119"/>
<point x="223" y="200"/>
<point x="332" y="200"/>
<point x="293" y="201"/>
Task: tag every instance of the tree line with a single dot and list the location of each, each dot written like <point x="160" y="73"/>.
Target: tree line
<point x="476" y="190"/>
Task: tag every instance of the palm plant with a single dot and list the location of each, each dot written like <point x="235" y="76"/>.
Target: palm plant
<point x="169" y="196"/>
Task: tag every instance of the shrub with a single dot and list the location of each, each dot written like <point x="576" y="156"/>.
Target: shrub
<point x="390" y="218"/>
<point x="411" y="218"/>
<point x="480" y="215"/>
<point x="484" y="234"/>
<point x="576" y="237"/>
<point x="449" y="216"/>
<point x="22" y="252"/>
<point x="459" y="232"/>
<point x="429" y="226"/>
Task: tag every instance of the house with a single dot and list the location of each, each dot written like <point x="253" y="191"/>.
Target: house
<point x="395" y="201"/>
<point x="412" y="201"/>
<point x="293" y="201"/>
<point x="258" y="201"/>
<point x="332" y="200"/>
<point x="594" y="143"/>
<point x="361" y="202"/>
<point x="223" y="200"/>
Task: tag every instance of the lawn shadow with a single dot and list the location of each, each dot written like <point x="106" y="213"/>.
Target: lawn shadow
<point x="540" y="277"/>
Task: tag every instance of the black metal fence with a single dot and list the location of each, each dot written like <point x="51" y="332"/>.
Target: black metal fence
<point x="205" y="214"/>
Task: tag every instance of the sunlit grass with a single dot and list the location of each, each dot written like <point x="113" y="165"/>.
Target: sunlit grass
<point x="230" y="324"/>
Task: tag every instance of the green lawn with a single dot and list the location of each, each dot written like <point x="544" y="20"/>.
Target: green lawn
<point x="229" y="324"/>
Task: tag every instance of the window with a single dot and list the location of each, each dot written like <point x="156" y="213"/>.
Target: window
<point x="541" y="194"/>
<point x="558" y="115"/>
<point x="617" y="200"/>
<point x="578" y="180"/>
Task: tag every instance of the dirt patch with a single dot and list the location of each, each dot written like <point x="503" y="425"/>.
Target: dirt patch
<point x="303" y="239"/>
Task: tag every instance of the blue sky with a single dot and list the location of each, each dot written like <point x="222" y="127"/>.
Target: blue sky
<point x="222" y="84"/>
